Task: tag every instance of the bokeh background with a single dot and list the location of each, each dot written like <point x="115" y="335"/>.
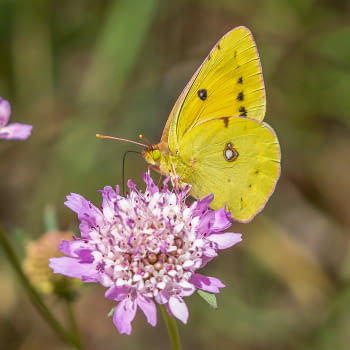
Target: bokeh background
<point x="76" y="68"/>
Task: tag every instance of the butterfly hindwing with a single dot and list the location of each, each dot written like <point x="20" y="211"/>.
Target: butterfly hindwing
<point x="236" y="158"/>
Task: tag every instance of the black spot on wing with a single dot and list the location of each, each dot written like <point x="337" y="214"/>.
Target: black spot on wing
<point x="202" y="94"/>
<point x="240" y="96"/>
<point x="241" y="203"/>
<point x="242" y="111"/>
<point x="240" y="80"/>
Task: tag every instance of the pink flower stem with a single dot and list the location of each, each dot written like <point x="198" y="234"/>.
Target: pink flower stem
<point x="35" y="296"/>
<point x="173" y="331"/>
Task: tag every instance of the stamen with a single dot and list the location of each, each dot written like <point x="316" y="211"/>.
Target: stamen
<point x="152" y="258"/>
<point x="179" y="242"/>
<point x="171" y="260"/>
<point x="158" y="266"/>
<point x="162" y="257"/>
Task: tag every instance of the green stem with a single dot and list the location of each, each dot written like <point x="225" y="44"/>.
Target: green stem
<point x="34" y="295"/>
<point x="173" y="331"/>
<point x="73" y="325"/>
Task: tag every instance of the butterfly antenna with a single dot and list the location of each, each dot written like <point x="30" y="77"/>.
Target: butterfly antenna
<point x="123" y="169"/>
<point x="142" y="137"/>
<point x="99" y="136"/>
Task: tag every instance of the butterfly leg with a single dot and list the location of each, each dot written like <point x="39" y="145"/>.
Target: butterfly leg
<point x="154" y="168"/>
<point x="175" y="178"/>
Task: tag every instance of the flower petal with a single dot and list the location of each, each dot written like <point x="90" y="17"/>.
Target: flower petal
<point x="152" y="188"/>
<point x="178" y="308"/>
<point x="187" y="288"/>
<point x="124" y="314"/>
<point x="109" y="198"/>
<point x="70" y="247"/>
<point x="210" y="252"/>
<point x="149" y="309"/>
<point x="203" y="205"/>
<point x="117" y="293"/>
<point x="81" y="206"/>
<point x="85" y="256"/>
<point x="164" y="187"/>
<point x="222" y="220"/>
<point x="131" y="185"/>
<point x="87" y="213"/>
<point x="15" y="131"/>
<point x="209" y="284"/>
<point x="162" y="297"/>
<point x="5" y="112"/>
<point x="184" y="192"/>
<point x="71" y="267"/>
<point x="214" y="221"/>
<point x="225" y="240"/>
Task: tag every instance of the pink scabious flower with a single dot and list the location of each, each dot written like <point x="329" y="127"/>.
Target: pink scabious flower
<point x="11" y="131"/>
<point x="145" y="248"/>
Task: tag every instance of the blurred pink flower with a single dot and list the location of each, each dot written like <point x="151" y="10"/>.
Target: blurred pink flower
<point x="14" y="130"/>
<point x="145" y="248"/>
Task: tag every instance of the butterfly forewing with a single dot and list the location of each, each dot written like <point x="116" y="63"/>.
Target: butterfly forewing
<point x="228" y="83"/>
<point x="237" y="159"/>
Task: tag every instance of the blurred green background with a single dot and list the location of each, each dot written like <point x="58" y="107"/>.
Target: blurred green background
<point x="77" y="68"/>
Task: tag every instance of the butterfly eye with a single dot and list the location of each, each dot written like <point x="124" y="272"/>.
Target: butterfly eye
<point x="156" y="155"/>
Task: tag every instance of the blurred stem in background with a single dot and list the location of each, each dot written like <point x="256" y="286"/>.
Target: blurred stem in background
<point x="335" y="315"/>
<point x="32" y="52"/>
<point x="72" y="323"/>
<point x="116" y="52"/>
<point x="72" y="337"/>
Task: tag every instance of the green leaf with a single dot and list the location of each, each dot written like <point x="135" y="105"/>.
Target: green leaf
<point x="209" y="298"/>
<point x="111" y="312"/>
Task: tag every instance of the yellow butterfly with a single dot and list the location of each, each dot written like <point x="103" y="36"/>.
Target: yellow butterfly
<point x="215" y="139"/>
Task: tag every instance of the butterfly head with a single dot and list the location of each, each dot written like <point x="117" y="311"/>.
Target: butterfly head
<point x="152" y="156"/>
<point x="158" y="157"/>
